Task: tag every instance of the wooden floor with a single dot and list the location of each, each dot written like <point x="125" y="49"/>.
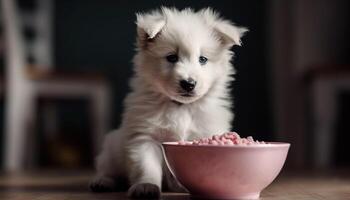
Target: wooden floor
<point x="58" y="185"/>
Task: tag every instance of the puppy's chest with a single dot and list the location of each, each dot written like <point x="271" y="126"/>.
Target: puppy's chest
<point x="174" y="125"/>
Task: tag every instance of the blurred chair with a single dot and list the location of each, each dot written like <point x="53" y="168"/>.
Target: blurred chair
<point x="25" y="83"/>
<point x="326" y="83"/>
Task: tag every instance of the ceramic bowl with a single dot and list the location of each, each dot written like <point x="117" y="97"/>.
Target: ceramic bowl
<point x="225" y="172"/>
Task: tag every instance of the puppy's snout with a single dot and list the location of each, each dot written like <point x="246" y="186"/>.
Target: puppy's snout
<point x="188" y="85"/>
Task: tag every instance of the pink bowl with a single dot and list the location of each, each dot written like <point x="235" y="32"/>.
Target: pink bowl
<point x="225" y="172"/>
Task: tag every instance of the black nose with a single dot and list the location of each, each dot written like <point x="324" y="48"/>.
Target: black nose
<point x="188" y="85"/>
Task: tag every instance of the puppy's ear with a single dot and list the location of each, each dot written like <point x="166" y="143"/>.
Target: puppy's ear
<point x="228" y="33"/>
<point x="149" y="26"/>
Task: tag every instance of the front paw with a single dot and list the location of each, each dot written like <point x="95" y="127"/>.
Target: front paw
<point x="102" y="184"/>
<point x="144" y="191"/>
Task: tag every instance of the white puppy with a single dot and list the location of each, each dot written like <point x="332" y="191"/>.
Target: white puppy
<point x="179" y="92"/>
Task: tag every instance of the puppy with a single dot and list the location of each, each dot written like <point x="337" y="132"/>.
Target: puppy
<point x="179" y="92"/>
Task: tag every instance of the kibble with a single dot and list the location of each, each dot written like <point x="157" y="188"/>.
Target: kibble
<point x="226" y="139"/>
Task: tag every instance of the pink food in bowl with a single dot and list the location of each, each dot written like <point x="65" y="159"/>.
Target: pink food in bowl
<point x="229" y="138"/>
<point x="225" y="171"/>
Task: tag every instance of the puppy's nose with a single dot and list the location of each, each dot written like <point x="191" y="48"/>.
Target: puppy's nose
<point x="188" y="85"/>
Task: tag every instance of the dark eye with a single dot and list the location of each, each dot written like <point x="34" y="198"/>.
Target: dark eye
<point x="203" y="60"/>
<point x="173" y="58"/>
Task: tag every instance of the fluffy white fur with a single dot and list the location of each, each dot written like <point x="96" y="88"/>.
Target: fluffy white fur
<point x="155" y="111"/>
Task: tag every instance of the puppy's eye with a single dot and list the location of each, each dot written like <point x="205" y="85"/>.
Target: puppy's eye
<point x="203" y="60"/>
<point x="173" y="58"/>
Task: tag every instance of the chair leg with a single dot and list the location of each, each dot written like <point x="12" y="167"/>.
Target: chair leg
<point x="324" y="102"/>
<point x="20" y="107"/>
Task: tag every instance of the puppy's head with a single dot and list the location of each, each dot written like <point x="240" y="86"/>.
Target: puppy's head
<point x="182" y="54"/>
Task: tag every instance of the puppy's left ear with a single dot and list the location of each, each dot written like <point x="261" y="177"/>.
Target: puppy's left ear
<point x="229" y="34"/>
<point x="149" y="26"/>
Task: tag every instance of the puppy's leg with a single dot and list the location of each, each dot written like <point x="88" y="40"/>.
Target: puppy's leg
<point x="108" y="166"/>
<point x="103" y="181"/>
<point x="145" y="164"/>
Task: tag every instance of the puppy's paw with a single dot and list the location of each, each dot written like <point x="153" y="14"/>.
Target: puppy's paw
<point x="144" y="191"/>
<point x="102" y="184"/>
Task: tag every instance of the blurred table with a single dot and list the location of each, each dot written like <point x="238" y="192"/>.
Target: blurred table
<point x="53" y="185"/>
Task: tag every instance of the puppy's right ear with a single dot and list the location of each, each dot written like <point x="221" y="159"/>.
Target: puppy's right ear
<point x="149" y="26"/>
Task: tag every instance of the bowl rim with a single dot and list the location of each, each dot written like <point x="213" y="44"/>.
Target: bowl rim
<point x="267" y="145"/>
